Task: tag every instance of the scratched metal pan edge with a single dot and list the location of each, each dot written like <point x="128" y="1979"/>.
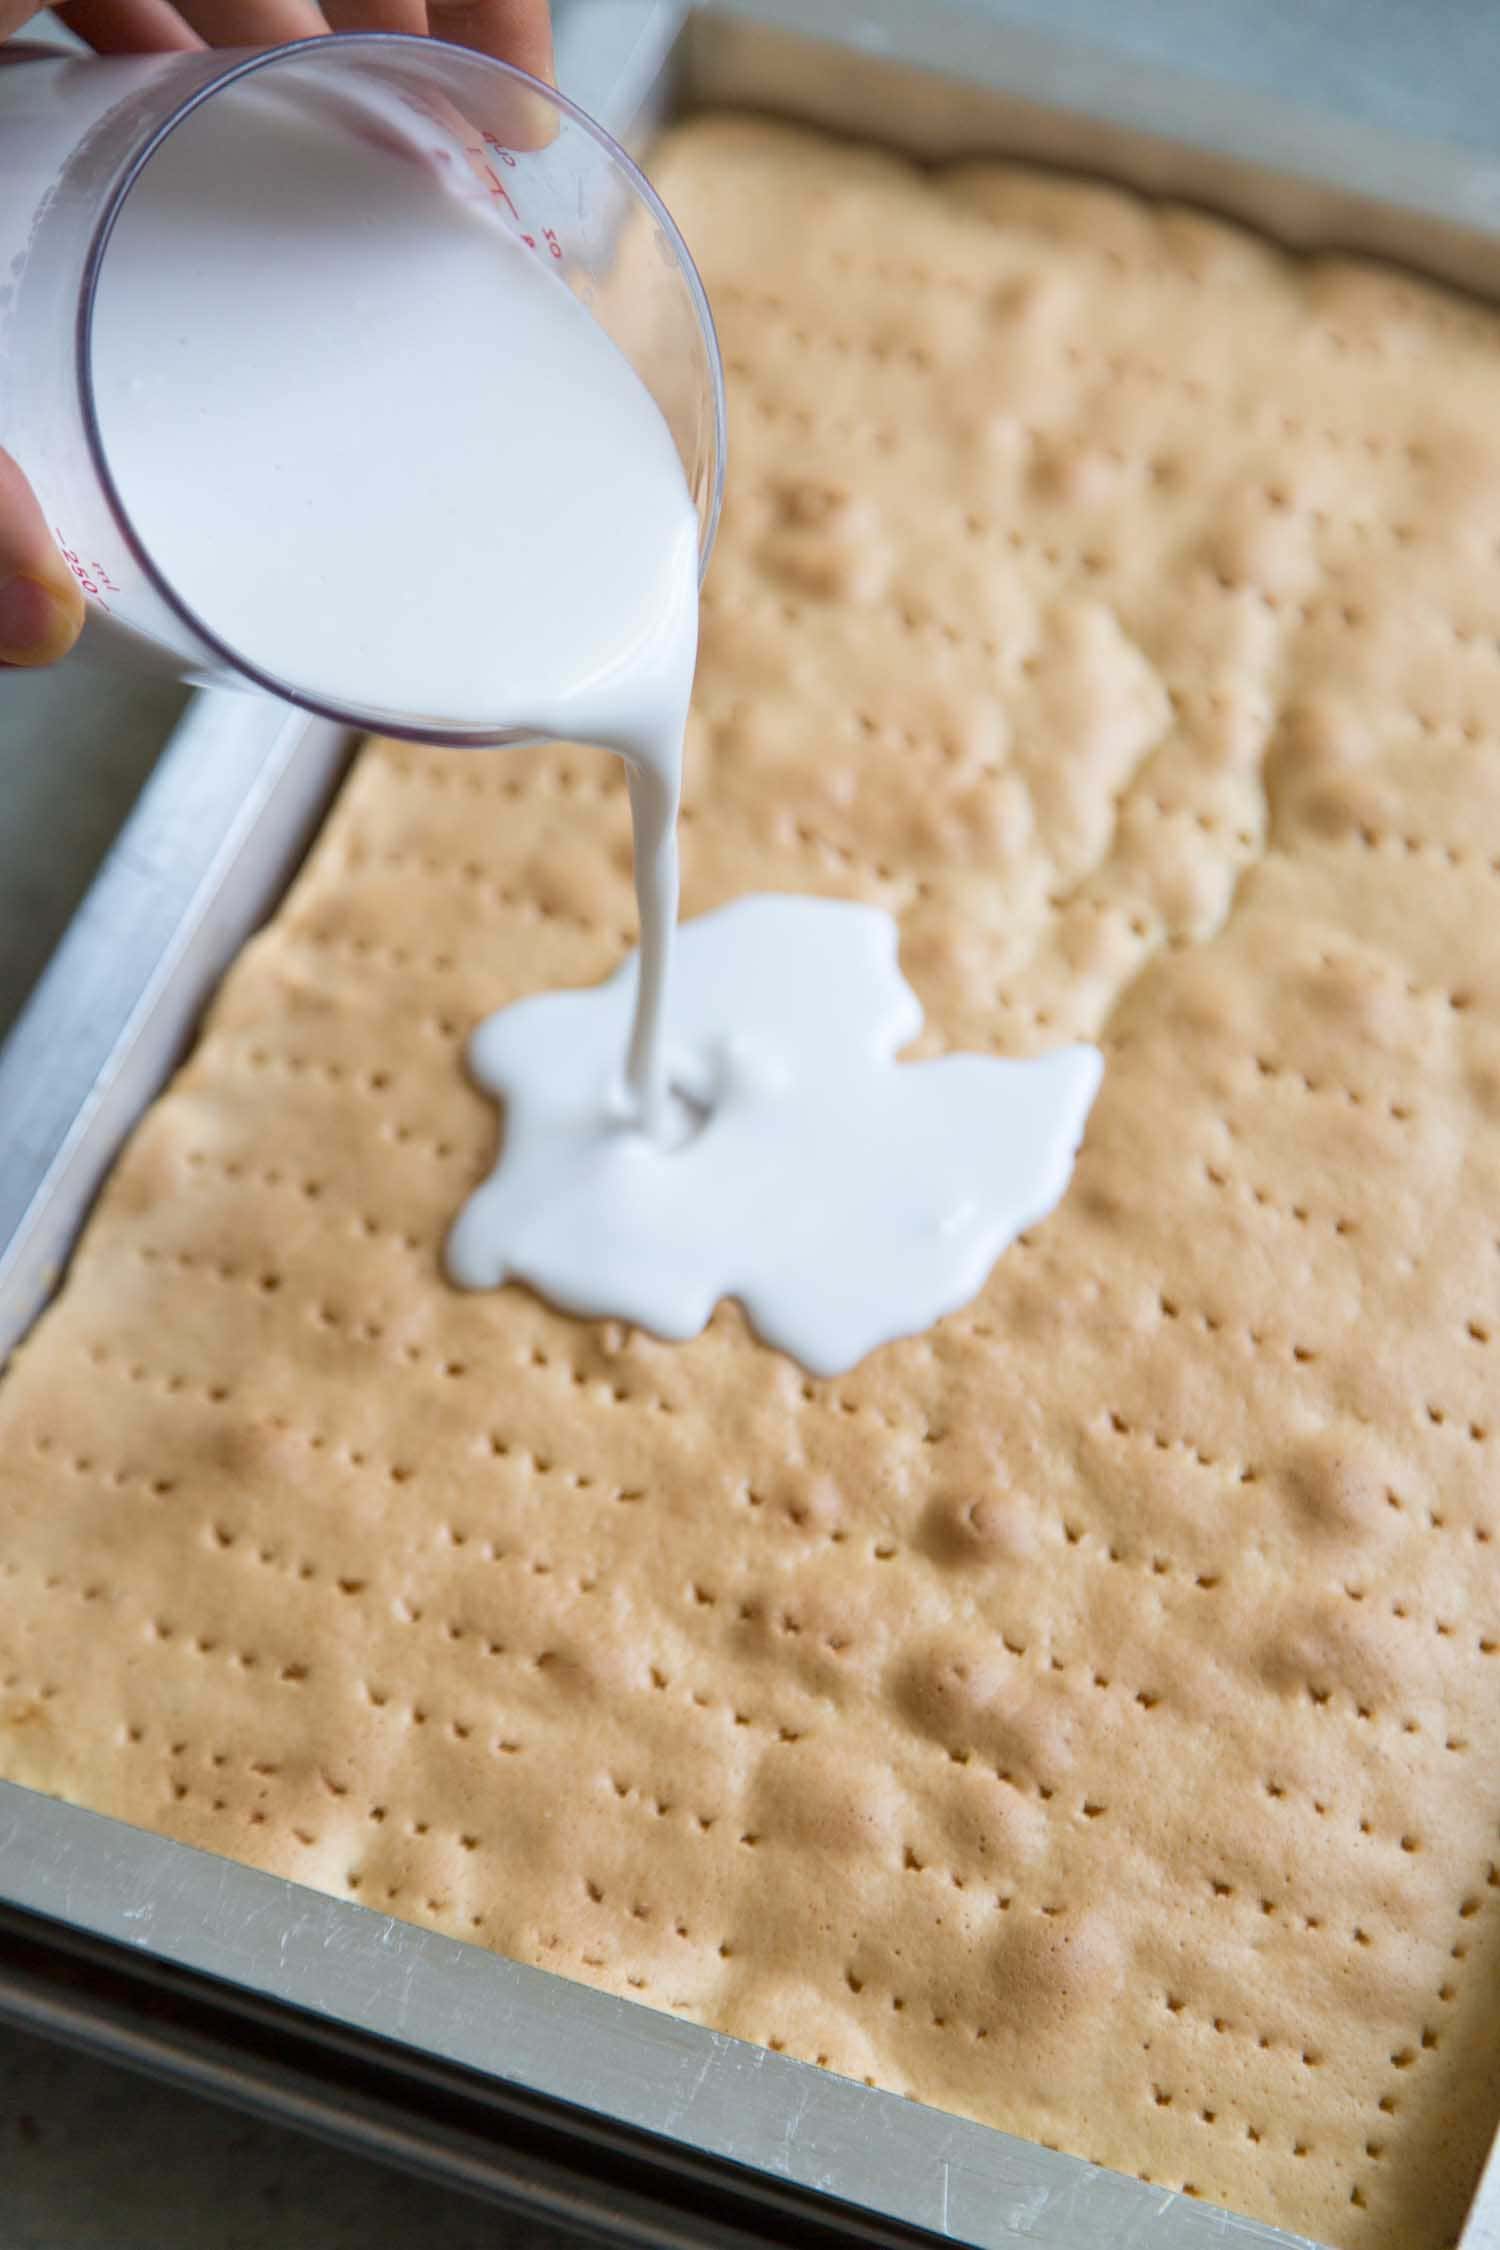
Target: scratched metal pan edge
<point x="206" y="855"/>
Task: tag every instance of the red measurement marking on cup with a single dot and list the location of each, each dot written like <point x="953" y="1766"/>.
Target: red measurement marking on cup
<point x="496" y="189"/>
<point x="92" y="577"/>
<point x="506" y="157"/>
<point x="487" y="172"/>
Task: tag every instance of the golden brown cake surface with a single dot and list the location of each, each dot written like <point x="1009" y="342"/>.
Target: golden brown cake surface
<point x="1085" y="1716"/>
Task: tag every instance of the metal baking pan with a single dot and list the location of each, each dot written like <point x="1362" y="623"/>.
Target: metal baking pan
<point x="637" y="2127"/>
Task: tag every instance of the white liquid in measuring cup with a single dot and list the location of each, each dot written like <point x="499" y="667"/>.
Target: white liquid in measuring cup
<point x="379" y="445"/>
<point x="391" y="460"/>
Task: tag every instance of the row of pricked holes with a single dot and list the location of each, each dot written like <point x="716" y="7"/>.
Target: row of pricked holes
<point x="635" y="1982"/>
<point x="1458" y="1002"/>
<point x="797" y="1513"/>
<point x="1117" y="1425"/>
<point x="353" y="1588"/>
<point x="1287" y="1074"/>
<point x="357" y="1457"/>
<point x="368" y="952"/>
<point x="754" y="1612"/>
<point x="1142" y="923"/>
<point x="367" y="1083"/>
<point x="1486" y="1643"/>
<point x="866" y="727"/>
<point x="1164" y="471"/>
<point x="912" y="620"/>
<point x="1203" y="2114"/>
<point x="533" y="1355"/>
<point x="478" y="877"/>
<point x="882" y="437"/>
<point x="1263" y="1200"/>
<point x="1473" y="328"/>
<point x="163" y="1630"/>
<point x="1322" y="1699"/>
<point x="1155" y="1564"/>
<point x="640" y="1913"/>
<point x="1129" y="802"/>
<point x="172" y="1383"/>
<point x="367" y="1331"/>
<point x="474" y="776"/>
<point x="850" y="863"/>
<point x="822" y="1394"/>
<point x="1435" y="1518"/>
<point x="915" y="357"/>
<point x="364" y="1331"/>
<point x="133" y="1735"/>
<point x="84" y="1465"/>
<point x="1149" y="1698"/>
<point x="907" y="271"/>
<point x="1226" y="2028"/>
<point x="312" y="1190"/>
<point x="1453" y="855"/>
<point x="1213" y="1324"/>
<point x="1409" y="1842"/>
<point x="381" y="1698"/>
<point x="228" y="1271"/>
<point x="1116" y="365"/>
<point x="1219" y="1886"/>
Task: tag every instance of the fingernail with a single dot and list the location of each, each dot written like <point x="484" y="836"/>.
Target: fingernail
<point x="38" y="622"/>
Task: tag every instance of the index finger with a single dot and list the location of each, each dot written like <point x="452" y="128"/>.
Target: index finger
<point x="513" y="31"/>
<point x="41" y="606"/>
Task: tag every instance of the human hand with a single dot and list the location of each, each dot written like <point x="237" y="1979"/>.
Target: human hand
<point x="41" y="604"/>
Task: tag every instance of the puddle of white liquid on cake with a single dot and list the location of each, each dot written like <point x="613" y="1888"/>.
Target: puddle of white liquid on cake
<point x="843" y="1197"/>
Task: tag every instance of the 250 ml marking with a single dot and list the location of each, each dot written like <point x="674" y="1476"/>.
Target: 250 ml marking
<point x="92" y="576"/>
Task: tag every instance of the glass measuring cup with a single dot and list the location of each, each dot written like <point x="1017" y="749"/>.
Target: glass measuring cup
<point x="77" y="135"/>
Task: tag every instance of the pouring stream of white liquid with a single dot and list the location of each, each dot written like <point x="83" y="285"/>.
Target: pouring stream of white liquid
<point x="390" y="458"/>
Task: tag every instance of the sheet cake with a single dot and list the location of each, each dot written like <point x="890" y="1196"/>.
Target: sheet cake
<point x="1082" y="1717"/>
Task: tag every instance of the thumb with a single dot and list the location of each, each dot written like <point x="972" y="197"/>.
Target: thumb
<point x="41" y="603"/>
